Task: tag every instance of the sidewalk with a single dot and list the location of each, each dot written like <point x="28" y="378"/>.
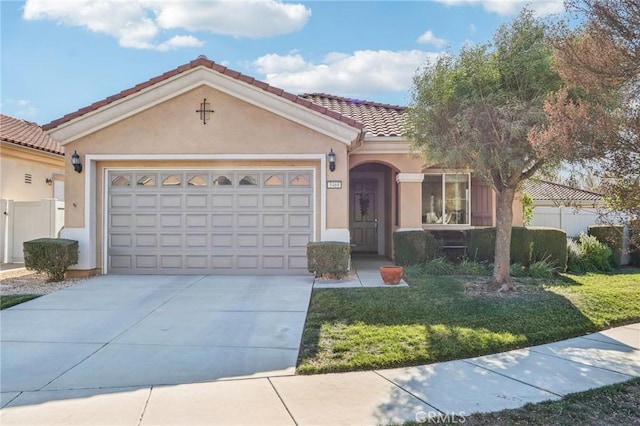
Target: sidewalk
<point x="454" y="388"/>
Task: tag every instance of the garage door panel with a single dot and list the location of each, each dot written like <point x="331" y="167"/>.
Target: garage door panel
<point x="209" y="222"/>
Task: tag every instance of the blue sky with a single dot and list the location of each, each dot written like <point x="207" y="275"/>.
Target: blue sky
<point x="61" y="55"/>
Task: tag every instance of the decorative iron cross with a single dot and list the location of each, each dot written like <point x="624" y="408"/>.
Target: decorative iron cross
<point x="204" y="111"/>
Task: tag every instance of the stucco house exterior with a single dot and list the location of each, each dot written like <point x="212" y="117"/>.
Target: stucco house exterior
<point x="31" y="181"/>
<point x="206" y="170"/>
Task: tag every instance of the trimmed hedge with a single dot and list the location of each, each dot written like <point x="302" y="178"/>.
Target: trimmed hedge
<point x="50" y="255"/>
<point x="415" y="247"/>
<point x="329" y="259"/>
<point x="611" y="236"/>
<point x="634" y="238"/>
<point x="527" y="245"/>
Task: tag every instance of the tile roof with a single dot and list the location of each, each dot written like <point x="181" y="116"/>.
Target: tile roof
<point x="544" y="190"/>
<point x="26" y="133"/>
<point x="202" y="61"/>
<point x="378" y="119"/>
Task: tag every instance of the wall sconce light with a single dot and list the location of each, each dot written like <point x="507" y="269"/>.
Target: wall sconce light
<point x="332" y="160"/>
<point x="49" y="181"/>
<point x="75" y="160"/>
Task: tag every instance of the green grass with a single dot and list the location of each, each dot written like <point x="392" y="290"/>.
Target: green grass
<point x="439" y="318"/>
<point x="12" y="300"/>
<point x="611" y="405"/>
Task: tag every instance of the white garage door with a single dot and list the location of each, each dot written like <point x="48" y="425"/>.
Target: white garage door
<point x="213" y="222"/>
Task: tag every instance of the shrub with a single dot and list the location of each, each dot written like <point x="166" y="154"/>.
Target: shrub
<point x="330" y="259"/>
<point x="634" y="239"/>
<point x="611" y="236"/>
<point x="415" y="247"/>
<point x="471" y="267"/>
<point x="50" y="255"/>
<point x="550" y="245"/>
<point x="542" y="269"/>
<point x="410" y="247"/>
<point x="589" y="255"/>
<point x="438" y="266"/>
<point x="481" y="244"/>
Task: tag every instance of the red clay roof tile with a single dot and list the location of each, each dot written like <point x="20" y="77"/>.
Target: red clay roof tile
<point x="26" y="133"/>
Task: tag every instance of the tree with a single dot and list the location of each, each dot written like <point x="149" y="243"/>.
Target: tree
<point x="476" y="109"/>
<point x="597" y="114"/>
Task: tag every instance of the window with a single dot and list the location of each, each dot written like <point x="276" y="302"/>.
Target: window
<point x="197" y="180"/>
<point x="445" y="199"/>
<point x="221" y="181"/>
<point x="299" y="180"/>
<point x="274" y="180"/>
<point x="146" y="181"/>
<point x="249" y="180"/>
<point x="172" y="180"/>
<point x="120" y="181"/>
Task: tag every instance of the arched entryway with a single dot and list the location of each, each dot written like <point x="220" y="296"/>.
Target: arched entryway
<point x="372" y="208"/>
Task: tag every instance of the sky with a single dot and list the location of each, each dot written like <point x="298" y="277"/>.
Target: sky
<point x="58" y="56"/>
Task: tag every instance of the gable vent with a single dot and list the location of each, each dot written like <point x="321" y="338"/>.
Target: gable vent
<point x="27" y="178"/>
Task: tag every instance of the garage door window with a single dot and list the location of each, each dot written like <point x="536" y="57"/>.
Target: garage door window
<point x="197" y="181"/>
<point x="172" y="180"/>
<point x="222" y="181"/>
<point x="120" y="181"/>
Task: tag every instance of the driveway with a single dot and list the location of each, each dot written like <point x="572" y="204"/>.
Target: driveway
<point x="120" y="331"/>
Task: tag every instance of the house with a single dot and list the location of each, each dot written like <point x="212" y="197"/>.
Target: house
<point x="564" y="207"/>
<point x="31" y="186"/>
<point x="206" y="170"/>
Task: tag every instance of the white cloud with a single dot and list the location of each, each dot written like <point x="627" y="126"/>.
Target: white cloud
<point x="361" y="74"/>
<point x="140" y="23"/>
<point x="430" y="38"/>
<point x="246" y="18"/>
<point x="510" y="7"/>
<point x="21" y="108"/>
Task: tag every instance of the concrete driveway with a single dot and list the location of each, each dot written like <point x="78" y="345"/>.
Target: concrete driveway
<point x="121" y="331"/>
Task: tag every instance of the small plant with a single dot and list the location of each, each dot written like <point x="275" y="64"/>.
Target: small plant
<point x="50" y="255"/>
<point x="471" y="267"/>
<point x="588" y="255"/>
<point x="437" y="267"/>
<point x="542" y="269"/>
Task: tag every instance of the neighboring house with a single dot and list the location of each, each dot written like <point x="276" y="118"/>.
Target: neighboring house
<point x="31" y="178"/>
<point x="564" y="207"/>
<point x="206" y="170"/>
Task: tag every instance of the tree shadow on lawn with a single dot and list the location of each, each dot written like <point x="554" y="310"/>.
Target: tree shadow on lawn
<point x="434" y="319"/>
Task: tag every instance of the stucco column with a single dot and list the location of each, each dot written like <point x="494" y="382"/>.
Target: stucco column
<point x="409" y="200"/>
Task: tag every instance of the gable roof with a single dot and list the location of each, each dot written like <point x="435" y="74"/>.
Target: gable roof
<point x="542" y="190"/>
<point x="378" y="119"/>
<point x="26" y="133"/>
<point x="202" y="61"/>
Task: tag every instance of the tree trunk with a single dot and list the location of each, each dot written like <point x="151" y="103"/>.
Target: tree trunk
<point x="504" y="222"/>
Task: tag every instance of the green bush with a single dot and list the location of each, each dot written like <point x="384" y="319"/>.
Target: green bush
<point x="527" y="245"/>
<point x="329" y="259"/>
<point x="550" y="245"/>
<point x="588" y="255"/>
<point x="634" y="239"/>
<point x="481" y="244"/>
<point x="50" y="255"/>
<point x="611" y="236"/>
<point x="410" y="247"/>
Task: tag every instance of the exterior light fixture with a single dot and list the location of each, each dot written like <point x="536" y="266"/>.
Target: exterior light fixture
<point x="75" y="160"/>
<point x="48" y="181"/>
<point x="204" y="111"/>
<point x="332" y="160"/>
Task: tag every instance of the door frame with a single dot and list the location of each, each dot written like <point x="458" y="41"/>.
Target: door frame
<point x="380" y="207"/>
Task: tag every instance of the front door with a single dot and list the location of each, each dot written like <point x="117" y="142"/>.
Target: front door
<point x="364" y="215"/>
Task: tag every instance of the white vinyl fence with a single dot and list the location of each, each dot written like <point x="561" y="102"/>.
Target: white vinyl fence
<point x="574" y="221"/>
<point x="27" y="220"/>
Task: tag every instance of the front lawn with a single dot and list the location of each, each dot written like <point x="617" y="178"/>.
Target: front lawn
<point x="15" y="299"/>
<point x="439" y="318"/>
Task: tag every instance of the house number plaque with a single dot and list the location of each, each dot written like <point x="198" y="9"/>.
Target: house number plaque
<point x="334" y="184"/>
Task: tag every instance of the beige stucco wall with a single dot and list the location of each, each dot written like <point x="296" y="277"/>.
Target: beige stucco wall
<point x="236" y="127"/>
<point x="16" y="161"/>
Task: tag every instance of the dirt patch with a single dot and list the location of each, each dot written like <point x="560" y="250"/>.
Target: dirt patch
<point x="483" y="287"/>
<point x="23" y="281"/>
